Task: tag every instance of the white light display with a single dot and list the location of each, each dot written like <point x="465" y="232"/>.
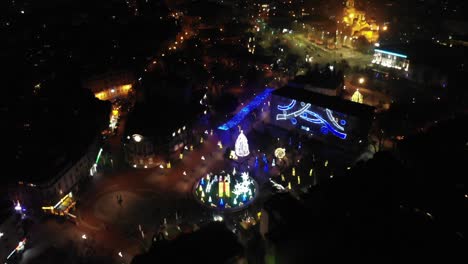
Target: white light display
<point x="18" y="206"/>
<point x="277" y="186"/>
<point x="280" y="153"/>
<point x="243" y="187"/>
<point x="225" y="191"/>
<point x="242" y="145"/>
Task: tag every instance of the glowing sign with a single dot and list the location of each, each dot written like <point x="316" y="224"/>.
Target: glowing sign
<point x="391" y="53"/>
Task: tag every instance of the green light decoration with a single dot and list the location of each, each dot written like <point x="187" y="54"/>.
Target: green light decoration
<point x="98" y="156"/>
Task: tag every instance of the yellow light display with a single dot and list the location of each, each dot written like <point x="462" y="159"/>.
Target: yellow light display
<point x="126" y="87"/>
<point x="358" y="25"/>
<point x="221" y="189"/>
<point x="227" y="189"/>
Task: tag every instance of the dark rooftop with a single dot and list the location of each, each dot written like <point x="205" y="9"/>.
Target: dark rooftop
<point x="331" y="102"/>
<point x="321" y="78"/>
<point x="213" y="243"/>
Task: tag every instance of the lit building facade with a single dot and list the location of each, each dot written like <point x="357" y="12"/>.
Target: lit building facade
<point x="145" y="151"/>
<point x="110" y="85"/>
<point x="36" y="194"/>
<point x="114" y="92"/>
<point x="325" y="118"/>
<point x="390" y="59"/>
<point x="357" y="24"/>
<point x="140" y="151"/>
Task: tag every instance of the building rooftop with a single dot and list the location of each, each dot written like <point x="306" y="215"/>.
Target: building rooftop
<point x="430" y="54"/>
<point x="213" y="243"/>
<point x="324" y="78"/>
<point x="332" y="102"/>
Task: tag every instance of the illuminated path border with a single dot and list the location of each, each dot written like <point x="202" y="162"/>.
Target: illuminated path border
<point x="246" y="110"/>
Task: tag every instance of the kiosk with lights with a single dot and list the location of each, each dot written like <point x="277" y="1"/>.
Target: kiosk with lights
<point x="63" y="207"/>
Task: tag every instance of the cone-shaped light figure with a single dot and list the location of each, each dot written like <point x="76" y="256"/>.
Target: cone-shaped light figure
<point x="242" y="145"/>
<point x="357" y="97"/>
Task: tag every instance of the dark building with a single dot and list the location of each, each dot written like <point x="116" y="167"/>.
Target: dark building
<point x="156" y="133"/>
<point x="213" y="243"/>
<point x="160" y="126"/>
<point x="327" y="81"/>
<point x="53" y="142"/>
<point x="284" y="226"/>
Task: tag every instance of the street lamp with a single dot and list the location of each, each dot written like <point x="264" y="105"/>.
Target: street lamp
<point x="18" y="206"/>
<point x="137" y="137"/>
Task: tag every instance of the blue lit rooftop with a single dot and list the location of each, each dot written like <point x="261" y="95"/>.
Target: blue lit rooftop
<point x="391" y="53"/>
<point x="246" y="110"/>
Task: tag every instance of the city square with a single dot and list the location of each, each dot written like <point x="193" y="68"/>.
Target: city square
<point x="234" y="131"/>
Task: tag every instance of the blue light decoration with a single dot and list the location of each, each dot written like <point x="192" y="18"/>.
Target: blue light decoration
<point x="324" y="130"/>
<point x="327" y="126"/>
<point x="287" y="107"/>
<point x="221" y="202"/>
<point x="202" y="181"/>
<point x="256" y="102"/>
<point x="244" y="197"/>
<point x="391" y="53"/>
<point x="256" y="162"/>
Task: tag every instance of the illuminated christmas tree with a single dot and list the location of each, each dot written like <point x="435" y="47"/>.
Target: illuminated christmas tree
<point x="357" y="97"/>
<point x="242" y="145"/>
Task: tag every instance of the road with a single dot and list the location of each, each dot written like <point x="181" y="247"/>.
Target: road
<point x="148" y="195"/>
